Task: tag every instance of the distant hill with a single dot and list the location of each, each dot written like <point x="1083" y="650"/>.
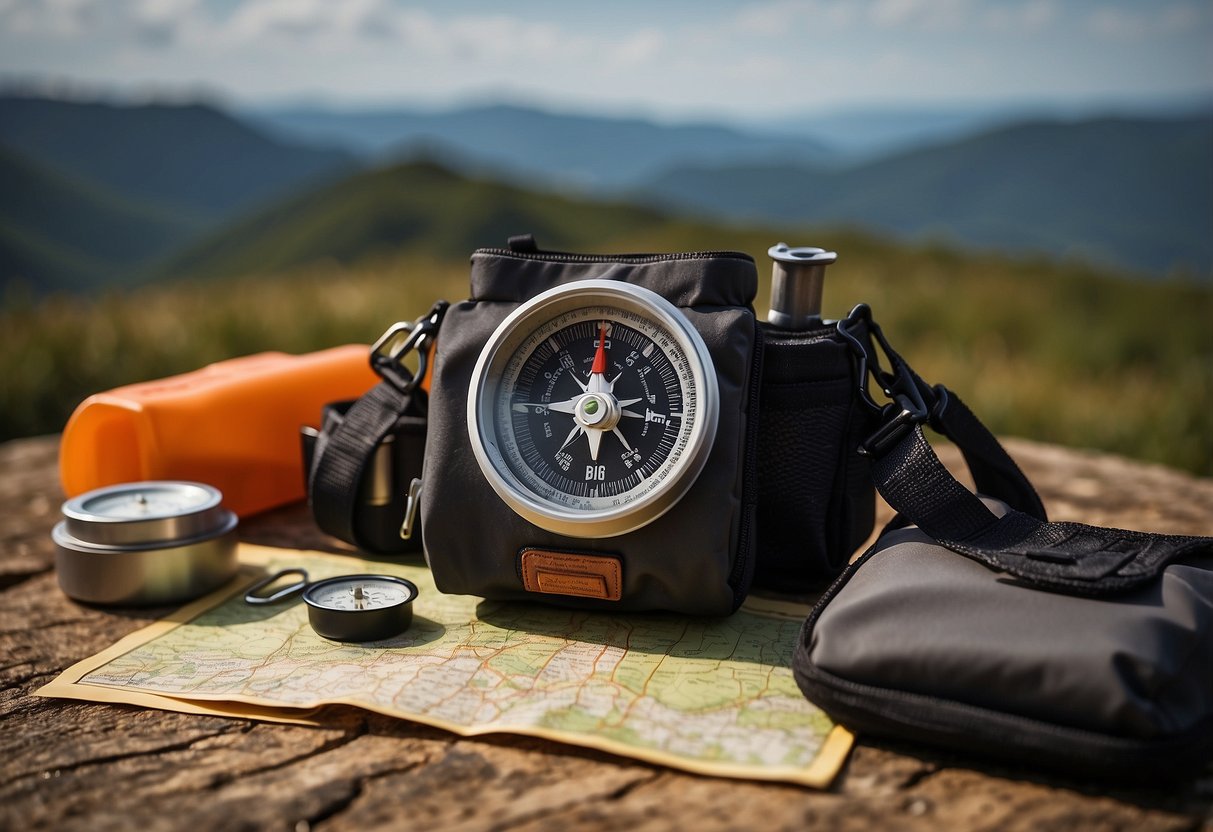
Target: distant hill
<point x="418" y="207"/>
<point x="92" y="191"/>
<point x="592" y="151"/>
<point x="191" y="159"/>
<point x="866" y="131"/>
<point x="1131" y="192"/>
<point x="62" y="233"/>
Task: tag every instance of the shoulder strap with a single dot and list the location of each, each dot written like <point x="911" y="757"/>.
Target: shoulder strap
<point x="1064" y="557"/>
<point x="351" y="437"/>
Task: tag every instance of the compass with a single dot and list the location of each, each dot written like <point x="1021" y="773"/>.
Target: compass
<point x="352" y="608"/>
<point x="360" y="607"/>
<point x="593" y="408"/>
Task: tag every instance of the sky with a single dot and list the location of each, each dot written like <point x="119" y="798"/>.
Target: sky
<point x="671" y="60"/>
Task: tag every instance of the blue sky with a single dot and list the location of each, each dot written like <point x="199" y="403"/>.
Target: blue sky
<point x="665" y="59"/>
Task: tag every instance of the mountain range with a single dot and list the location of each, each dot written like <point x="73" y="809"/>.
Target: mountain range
<point x="1115" y="191"/>
<point x="529" y="144"/>
<point x="93" y="192"/>
<point x="416" y="207"/>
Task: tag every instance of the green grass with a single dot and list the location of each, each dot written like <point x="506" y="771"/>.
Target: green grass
<point x="1055" y="352"/>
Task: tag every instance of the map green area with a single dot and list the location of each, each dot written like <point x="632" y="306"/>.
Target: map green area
<point x="714" y="696"/>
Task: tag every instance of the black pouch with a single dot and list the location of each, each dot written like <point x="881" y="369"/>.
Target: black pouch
<point x="783" y="500"/>
<point x="696" y="558"/>
<point x="788" y="498"/>
<point x="987" y="629"/>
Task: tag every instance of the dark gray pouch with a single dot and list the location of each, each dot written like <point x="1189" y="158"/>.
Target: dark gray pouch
<point x="977" y="624"/>
<point x="918" y="642"/>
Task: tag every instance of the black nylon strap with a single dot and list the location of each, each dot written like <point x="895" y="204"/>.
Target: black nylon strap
<point x="1065" y="557"/>
<point x="343" y="453"/>
<point x="993" y="470"/>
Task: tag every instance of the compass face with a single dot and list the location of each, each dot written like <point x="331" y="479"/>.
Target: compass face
<point x="593" y="408"/>
<point x="359" y="592"/>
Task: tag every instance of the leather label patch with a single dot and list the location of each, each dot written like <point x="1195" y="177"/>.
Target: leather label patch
<point x="566" y="573"/>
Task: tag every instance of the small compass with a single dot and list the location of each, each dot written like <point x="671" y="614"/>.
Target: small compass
<point x="593" y="408"/>
<point x="360" y="607"/>
<point x="353" y="608"/>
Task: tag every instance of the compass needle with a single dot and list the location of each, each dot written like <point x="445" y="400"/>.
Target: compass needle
<point x="615" y="430"/>
<point x="595" y="437"/>
<point x="559" y="407"/>
<point x="573" y="434"/>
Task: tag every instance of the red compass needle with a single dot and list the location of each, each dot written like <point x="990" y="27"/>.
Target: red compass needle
<point x="600" y="357"/>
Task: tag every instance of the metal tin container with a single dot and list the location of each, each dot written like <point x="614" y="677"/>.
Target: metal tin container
<point x="145" y="543"/>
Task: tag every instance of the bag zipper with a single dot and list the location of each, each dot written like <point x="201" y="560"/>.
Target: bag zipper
<point x="638" y="259"/>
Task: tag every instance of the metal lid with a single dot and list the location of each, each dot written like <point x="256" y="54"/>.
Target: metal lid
<point x="141" y="513"/>
<point x="801" y="255"/>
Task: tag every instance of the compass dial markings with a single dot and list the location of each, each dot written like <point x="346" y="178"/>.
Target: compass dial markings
<point x="608" y="475"/>
<point x="593" y="359"/>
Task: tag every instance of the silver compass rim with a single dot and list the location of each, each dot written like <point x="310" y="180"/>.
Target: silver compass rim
<point x="482" y="390"/>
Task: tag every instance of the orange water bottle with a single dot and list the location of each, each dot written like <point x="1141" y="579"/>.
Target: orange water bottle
<point x="234" y="425"/>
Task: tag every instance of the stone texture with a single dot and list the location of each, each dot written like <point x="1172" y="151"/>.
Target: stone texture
<point x="71" y="765"/>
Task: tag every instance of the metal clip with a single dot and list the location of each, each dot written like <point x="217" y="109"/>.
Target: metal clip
<point x="254" y="596"/>
<point x="401" y="339"/>
<point x="913" y="401"/>
<point x="410" y="509"/>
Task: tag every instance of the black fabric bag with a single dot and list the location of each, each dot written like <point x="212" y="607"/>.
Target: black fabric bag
<point x="783" y="500"/>
<point x="976" y="626"/>
<point x="797" y="422"/>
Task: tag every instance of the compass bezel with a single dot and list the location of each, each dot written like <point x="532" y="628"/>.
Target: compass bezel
<point x="485" y="387"/>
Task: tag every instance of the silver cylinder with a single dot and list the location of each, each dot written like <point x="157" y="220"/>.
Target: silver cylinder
<point x="145" y="543"/>
<point x="797" y="277"/>
<point x="151" y="574"/>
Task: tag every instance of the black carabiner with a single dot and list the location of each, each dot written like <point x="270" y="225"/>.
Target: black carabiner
<point x="388" y="353"/>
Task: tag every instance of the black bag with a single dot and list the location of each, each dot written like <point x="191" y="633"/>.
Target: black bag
<point x="987" y="629"/>
<point x="790" y="409"/>
<point x="797" y="421"/>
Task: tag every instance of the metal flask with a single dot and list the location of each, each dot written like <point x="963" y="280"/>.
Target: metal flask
<point x="797" y="277"/>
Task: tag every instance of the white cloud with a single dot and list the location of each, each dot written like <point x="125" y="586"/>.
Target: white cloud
<point x="805" y="18"/>
<point x="927" y="14"/>
<point x="1139" y="24"/>
<point x="798" y="19"/>
<point x="56" y="18"/>
<point x="754" y="55"/>
<point x="640" y="48"/>
<point x="1011" y="17"/>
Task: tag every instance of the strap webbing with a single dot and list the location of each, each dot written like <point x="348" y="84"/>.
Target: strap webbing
<point x="343" y="453"/>
<point x="1065" y="557"/>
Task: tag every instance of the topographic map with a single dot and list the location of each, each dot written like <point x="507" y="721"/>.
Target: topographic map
<point x="714" y="696"/>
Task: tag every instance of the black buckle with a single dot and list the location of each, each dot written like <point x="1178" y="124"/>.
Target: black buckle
<point x="389" y="352"/>
<point x="913" y="401"/>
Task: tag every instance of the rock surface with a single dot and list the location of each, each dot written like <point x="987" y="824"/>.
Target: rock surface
<point x="72" y="765"/>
